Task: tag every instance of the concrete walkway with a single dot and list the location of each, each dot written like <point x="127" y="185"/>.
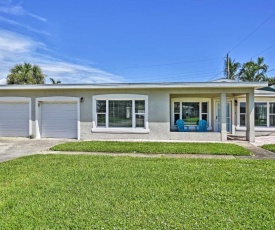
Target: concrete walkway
<point x="11" y="148"/>
<point x="258" y="152"/>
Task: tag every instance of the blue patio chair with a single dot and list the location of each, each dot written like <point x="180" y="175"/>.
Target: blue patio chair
<point x="180" y="125"/>
<point x="202" y="126"/>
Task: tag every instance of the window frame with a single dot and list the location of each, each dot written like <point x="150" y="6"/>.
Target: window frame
<point x="120" y="97"/>
<point x="193" y="100"/>
<point x="270" y="114"/>
<point x="257" y="128"/>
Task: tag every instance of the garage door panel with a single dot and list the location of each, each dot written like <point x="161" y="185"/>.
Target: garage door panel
<point x="14" y="119"/>
<point x="59" y="120"/>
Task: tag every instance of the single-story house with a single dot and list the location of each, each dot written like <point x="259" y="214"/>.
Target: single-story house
<point x="137" y="111"/>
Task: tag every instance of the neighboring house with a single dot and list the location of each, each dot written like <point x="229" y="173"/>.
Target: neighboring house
<point x="137" y="111"/>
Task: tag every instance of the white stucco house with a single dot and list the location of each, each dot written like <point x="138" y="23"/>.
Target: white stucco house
<point x="145" y="111"/>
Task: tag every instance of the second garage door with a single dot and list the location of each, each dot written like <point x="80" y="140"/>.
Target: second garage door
<point x="59" y="120"/>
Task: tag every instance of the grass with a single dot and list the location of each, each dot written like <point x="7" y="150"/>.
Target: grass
<point x="152" y="147"/>
<point x="100" y="192"/>
<point x="270" y="147"/>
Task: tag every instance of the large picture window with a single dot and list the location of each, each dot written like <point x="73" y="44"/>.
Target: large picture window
<point x="260" y="114"/>
<point x="190" y="112"/>
<point x="120" y="112"/>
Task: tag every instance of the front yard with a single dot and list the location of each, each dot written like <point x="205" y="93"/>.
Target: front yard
<point x="270" y="147"/>
<point x="100" y="192"/>
<point x="153" y="147"/>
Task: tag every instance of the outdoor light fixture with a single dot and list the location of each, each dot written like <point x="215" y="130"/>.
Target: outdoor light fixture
<point x="81" y="99"/>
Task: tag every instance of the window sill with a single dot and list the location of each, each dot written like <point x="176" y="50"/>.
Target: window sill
<point x="120" y="130"/>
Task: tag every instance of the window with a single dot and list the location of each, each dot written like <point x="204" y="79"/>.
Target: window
<point x="190" y="112"/>
<point x="272" y="114"/>
<point x="120" y="112"/>
<point x="140" y="113"/>
<point x="176" y="112"/>
<point x="204" y="111"/>
<point x="101" y="113"/>
<point x="260" y="114"/>
<point x="242" y="113"/>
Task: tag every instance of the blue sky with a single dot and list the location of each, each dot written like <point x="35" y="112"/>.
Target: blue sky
<point x="135" y="41"/>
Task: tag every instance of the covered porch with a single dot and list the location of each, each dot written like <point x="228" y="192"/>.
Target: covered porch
<point x="217" y="106"/>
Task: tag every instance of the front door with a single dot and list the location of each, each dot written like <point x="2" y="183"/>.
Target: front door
<point x="218" y="117"/>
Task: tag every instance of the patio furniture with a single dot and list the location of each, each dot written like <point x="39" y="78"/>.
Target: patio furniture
<point x="180" y="125"/>
<point x="202" y="126"/>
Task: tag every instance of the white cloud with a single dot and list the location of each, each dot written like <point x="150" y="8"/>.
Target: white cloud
<point x="23" y="26"/>
<point x="8" y="8"/>
<point x="16" y="49"/>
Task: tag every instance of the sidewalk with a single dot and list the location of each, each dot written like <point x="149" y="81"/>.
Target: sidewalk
<point x="258" y="153"/>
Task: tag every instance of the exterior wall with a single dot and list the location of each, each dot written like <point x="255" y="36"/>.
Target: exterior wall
<point x="159" y="110"/>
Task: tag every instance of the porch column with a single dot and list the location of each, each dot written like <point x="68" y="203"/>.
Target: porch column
<point x="250" y="119"/>
<point x="223" y="117"/>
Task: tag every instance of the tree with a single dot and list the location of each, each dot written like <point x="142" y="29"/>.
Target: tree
<point x="25" y="74"/>
<point x="253" y="71"/>
<point x="55" y="82"/>
<point x="233" y="69"/>
<point x="271" y="80"/>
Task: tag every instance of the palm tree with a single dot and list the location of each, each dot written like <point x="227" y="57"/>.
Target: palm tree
<point x="233" y="69"/>
<point x="271" y="80"/>
<point x="25" y="74"/>
<point x="253" y="71"/>
<point x="55" y="82"/>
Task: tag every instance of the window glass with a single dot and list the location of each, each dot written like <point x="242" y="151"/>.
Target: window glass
<point x="242" y="114"/>
<point x="260" y="114"/>
<point x="176" y="107"/>
<point x="204" y="108"/>
<point x="272" y="108"/>
<point x="242" y="107"/>
<point x="242" y="119"/>
<point x="140" y="121"/>
<point x="190" y="113"/>
<point x="139" y="106"/>
<point x="101" y="106"/>
<point x="204" y="117"/>
<point x="176" y="117"/>
<point x="101" y="120"/>
<point x="272" y="114"/>
<point x="272" y="120"/>
<point x="120" y="113"/>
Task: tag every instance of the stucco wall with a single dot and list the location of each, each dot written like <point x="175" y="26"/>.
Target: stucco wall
<point x="158" y="114"/>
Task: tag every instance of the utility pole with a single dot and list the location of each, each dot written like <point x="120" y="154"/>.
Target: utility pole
<point x="227" y="60"/>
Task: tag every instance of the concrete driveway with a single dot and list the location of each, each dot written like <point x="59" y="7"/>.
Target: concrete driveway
<point x="11" y="148"/>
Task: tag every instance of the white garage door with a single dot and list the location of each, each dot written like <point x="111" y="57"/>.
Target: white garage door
<point x="59" y="120"/>
<point x="14" y="119"/>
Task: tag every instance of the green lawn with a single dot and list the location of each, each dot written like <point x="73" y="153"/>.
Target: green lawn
<point x="100" y="192"/>
<point x="153" y="147"/>
<point x="270" y="147"/>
